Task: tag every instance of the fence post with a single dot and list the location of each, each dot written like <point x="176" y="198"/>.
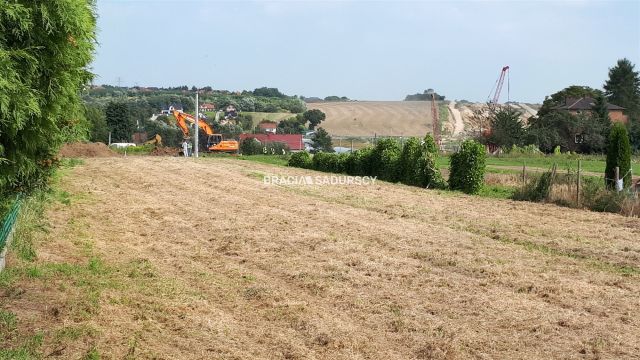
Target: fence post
<point x="524" y="173"/>
<point x="578" y="184"/>
<point x="617" y="178"/>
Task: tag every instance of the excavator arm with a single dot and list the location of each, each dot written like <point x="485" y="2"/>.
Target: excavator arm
<point x="182" y="119"/>
<point x="214" y="141"/>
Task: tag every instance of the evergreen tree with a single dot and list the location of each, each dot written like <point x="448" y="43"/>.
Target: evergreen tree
<point x="506" y="128"/>
<point x="119" y="121"/>
<point x="623" y="87"/>
<point x="99" y="131"/>
<point x="46" y="48"/>
<point x="618" y="155"/>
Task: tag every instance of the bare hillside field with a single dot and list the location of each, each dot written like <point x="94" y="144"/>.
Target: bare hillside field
<point x="171" y="258"/>
<point x="385" y="118"/>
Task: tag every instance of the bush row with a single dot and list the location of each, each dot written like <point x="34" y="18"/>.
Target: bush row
<point x="413" y="163"/>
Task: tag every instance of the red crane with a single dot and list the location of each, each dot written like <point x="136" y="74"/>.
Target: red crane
<point x="498" y="85"/>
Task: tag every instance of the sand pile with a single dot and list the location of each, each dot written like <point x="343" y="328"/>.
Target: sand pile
<point x="86" y="150"/>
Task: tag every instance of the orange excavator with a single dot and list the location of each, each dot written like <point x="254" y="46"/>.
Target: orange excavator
<point x="215" y="143"/>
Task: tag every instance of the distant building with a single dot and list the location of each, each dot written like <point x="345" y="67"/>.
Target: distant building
<point x="293" y="141"/>
<point x="585" y="105"/>
<point x="207" y="107"/>
<point x="267" y="127"/>
<point x="170" y="109"/>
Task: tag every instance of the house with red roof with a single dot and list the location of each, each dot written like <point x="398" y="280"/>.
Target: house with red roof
<point x="586" y="104"/>
<point x="207" y="107"/>
<point x="293" y="141"/>
<point x="267" y="127"/>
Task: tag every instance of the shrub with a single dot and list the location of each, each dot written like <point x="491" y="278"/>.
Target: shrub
<point x="250" y="146"/>
<point x="429" y="173"/>
<point x="410" y="163"/>
<point x="385" y="160"/>
<point x="467" y="168"/>
<point x="618" y="155"/>
<point x="275" y="148"/>
<point x="301" y="159"/>
<point x="329" y="162"/>
<point x="358" y="163"/>
<point x="390" y="164"/>
<point x="597" y="197"/>
<point x="536" y="189"/>
<point x="530" y="150"/>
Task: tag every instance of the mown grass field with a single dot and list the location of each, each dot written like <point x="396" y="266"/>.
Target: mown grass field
<point x="148" y="257"/>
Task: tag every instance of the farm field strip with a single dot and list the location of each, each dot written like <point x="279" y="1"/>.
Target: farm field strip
<point x="366" y="118"/>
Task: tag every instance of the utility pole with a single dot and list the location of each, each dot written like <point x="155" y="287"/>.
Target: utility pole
<point x="195" y="133"/>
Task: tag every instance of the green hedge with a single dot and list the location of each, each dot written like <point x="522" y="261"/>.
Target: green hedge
<point x="412" y="164"/>
<point x="467" y="168"/>
<point x="301" y="159"/>
<point x="329" y="162"/>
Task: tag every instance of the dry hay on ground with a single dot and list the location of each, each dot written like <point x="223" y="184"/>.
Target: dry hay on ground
<point x="384" y="118"/>
<point x="78" y="149"/>
<point x="201" y="259"/>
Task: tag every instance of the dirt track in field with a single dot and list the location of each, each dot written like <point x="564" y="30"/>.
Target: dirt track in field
<point x="237" y="269"/>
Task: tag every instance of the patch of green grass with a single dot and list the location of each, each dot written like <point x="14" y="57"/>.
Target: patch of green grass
<point x="590" y="163"/>
<point x="135" y="150"/>
<point x="279" y="160"/>
<point x="92" y="354"/>
<point x="141" y="268"/>
<point x="497" y="192"/>
<point x="71" y="162"/>
<point x="27" y="351"/>
<point x="74" y="332"/>
<point x="8" y="321"/>
<point x="30" y="221"/>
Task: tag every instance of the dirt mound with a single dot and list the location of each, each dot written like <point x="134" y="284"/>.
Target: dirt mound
<point x="86" y="150"/>
<point x="165" y="151"/>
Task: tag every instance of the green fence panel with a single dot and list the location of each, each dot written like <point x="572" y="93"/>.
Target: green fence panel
<point x="9" y="221"/>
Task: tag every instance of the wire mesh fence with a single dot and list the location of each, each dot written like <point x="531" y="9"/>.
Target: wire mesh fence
<point x="572" y="188"/>
<point x="8" y="223"/>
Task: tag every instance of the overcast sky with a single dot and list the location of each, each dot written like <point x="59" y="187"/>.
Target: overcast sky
<point x="366" y="50"/>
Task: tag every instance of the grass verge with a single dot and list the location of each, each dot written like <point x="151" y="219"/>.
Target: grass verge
<point x="19" y="340"/>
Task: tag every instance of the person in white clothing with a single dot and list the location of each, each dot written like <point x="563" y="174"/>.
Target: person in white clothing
<point x="185" y="148"/>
